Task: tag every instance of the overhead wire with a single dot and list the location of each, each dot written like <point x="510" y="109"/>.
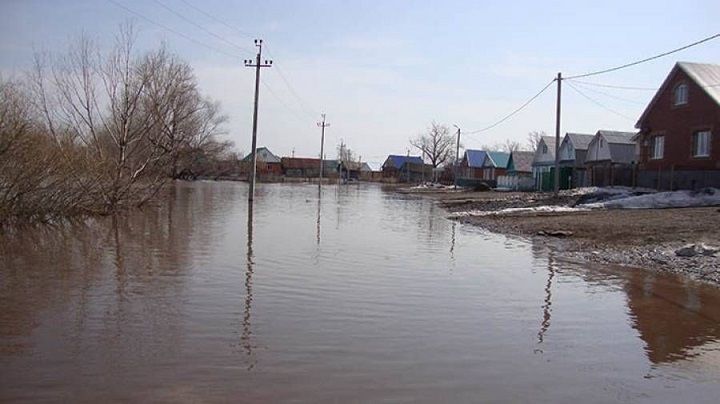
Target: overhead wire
<point x="588" y="83"/>
<point x="626" y="65"/>
<point x="210" y="16"/>
<point x="283" y="103"/>
<point x="301" y="102"/>
<point x="303" y="105"/>
<point x="598" y="103"/>
<point x="200" y="27"/>
<point x="609" y="95"/>
<point x="178" y="33"/>
<point x="515" y="111"/>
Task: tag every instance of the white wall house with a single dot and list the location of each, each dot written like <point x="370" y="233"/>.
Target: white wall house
<point x="544" y="159"/>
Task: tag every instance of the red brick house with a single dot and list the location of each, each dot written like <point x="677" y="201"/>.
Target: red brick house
<point x="679" y="138"/>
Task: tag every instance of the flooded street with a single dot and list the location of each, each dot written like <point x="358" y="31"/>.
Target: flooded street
<point x="360" y="295"/>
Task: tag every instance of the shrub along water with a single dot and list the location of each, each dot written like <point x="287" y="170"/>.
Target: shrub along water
<point x="91" y="133"/>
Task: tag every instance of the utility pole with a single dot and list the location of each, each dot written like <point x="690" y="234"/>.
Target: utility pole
<point x="407" y="166"/>
<point x="257" y="66"/>
<point x="322" y="125"/>
<point x="457" y="157"/>
<point x="557" y="137"/>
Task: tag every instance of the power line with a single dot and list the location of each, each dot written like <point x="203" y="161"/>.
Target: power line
<point x="588" y="83"/>
<point x="302" y="104"/>
<point x="210" y="16"/>
<point x="200" y="27"/>
<point x="612" y="69"/>
<point x="283" y="76"/>
<point x="598" y="103"/>
<point x="165" y="27"/>
<point x="508" y="116"/>
<point x="277" y="97"/>
<point x="610" y="95"/>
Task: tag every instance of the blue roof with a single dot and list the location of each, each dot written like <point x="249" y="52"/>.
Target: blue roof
<point x="475" y="158"/>
<point x="498" y="159"/>
<point x="398" y="161"/>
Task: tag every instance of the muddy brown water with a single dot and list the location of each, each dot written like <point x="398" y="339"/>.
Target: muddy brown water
<point x="363" y="295"/>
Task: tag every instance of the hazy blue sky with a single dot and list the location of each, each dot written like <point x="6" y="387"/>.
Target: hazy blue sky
<point x="382" y="70"/>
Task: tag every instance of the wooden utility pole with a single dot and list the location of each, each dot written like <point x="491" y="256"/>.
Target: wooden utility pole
<point x="457" y="158"/>
<point x="322" y="125"/>
<point x="557" y="136"/>
<point x="257" y="65"/>
<point x="407" y="166"/>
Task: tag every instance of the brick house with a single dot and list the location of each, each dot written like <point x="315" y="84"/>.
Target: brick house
<point x="268" y="164"/>
<point x="679" y="138"/>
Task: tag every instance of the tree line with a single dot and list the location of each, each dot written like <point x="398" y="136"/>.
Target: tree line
<point x="93" y="132"/>
<point x="438" y="144"/>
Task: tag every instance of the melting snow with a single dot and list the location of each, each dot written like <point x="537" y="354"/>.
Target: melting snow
<point x="676" y="199"/>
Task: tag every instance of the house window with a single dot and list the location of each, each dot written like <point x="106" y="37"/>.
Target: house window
<point x="657" y="147"/>
<point x="544" y="149"/>
<point x="681" y="94"/>
<point x="701" y="144"/>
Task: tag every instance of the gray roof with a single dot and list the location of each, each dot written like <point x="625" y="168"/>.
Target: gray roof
<point x="264" y="155"/>
<point x="705" y="75"/>
<point x="522" y="160"/>
<point x="615" y="137"/>
<point x="580" y="141"/>
<point x="550" y="142"/>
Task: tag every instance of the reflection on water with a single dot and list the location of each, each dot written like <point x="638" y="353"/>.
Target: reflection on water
<point x="547" y="303"/>
<point x="672" y="318"/>
<point x="247" y="344"/>
<point x="393" y="302"/>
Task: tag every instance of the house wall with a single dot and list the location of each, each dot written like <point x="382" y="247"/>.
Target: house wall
<point x="580" y="157"/>
<point x="598" y="150"/>
<point x="567" y="151"/>
<point x="668" y="179"/>
<point x="678" y="124"/>
<point x="541" y="157"/>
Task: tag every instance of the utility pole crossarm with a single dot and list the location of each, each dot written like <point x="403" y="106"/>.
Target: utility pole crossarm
<point x="257" y="65"/>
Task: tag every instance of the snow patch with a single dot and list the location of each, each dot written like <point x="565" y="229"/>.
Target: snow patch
<point x="658" y="200"/>
<point x="511" y="211"/>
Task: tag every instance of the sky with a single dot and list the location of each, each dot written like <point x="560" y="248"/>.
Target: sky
<point x="382" y="71"/>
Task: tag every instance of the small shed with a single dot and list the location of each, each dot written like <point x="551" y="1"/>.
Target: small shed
<point x="519" y="172"/>
<point x="399" y="168"/>
<point x="543" y="162"/>
<point x="573" y="151"/>
<point x="610" y="158"/>
<point x="471" y="165"/>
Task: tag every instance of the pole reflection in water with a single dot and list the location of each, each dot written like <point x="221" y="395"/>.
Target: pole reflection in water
<point x="318" y="214"/>
<point x="547" y="306"/>
<point x="247" y="331"/>
<point x="452" y="241"/>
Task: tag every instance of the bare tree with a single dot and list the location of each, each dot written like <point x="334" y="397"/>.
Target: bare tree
<point x="344" y="154"/>
<point x="511" y="145"/>
<point x="533" y="139"/>
<point x="436" y="143"/>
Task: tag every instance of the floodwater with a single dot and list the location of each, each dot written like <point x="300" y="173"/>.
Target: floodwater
<point x="360" y="295"/>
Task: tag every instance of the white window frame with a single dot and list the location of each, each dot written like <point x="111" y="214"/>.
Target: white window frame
<point x="705" y="151"/>
<point x="680" y="95"/>
<point x="657" y="153"/>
